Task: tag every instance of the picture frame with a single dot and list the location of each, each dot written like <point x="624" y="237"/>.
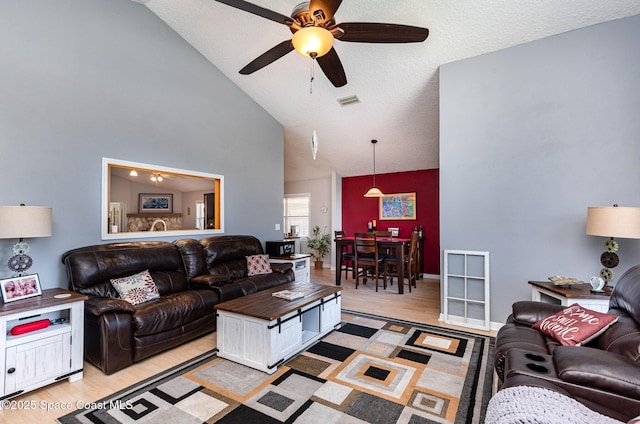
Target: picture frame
<point x="397" y="206"/>
<point x="395" y="231"/>
<point x="22" y="287"/>
<point x="155" y="203"/>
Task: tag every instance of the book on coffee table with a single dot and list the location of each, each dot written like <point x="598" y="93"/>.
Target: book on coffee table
<point x="288" y="294"/>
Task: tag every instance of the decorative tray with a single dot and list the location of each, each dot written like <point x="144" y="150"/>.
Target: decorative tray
<point x="561" y="281"/>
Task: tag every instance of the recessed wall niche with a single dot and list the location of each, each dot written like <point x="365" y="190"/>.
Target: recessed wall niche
<point x="141" y="200"/>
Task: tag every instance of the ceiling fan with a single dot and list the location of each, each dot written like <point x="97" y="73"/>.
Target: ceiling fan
<point x="314" y="29"/>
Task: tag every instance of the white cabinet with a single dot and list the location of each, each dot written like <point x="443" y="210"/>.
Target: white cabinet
<point x="35" y="359"/>
<point x="301" y="265"/>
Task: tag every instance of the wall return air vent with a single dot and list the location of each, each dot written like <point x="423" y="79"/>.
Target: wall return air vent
<point x="348" y="100"/>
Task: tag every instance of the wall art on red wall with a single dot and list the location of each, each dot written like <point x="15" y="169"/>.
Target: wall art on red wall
<point x="398" y="206"/>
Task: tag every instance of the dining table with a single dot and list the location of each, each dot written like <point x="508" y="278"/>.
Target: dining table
<point x="396" y="245"/>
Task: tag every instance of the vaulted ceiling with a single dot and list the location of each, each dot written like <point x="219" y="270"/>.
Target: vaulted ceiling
<point x="396" y="84"/>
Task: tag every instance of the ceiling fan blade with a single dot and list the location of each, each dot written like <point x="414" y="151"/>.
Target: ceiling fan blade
<point x="329" y="7"/>
<point x="257" y="10"/>
<point x="369" y="32"/>
<point x="268" y="57"/>
<point x="332" y="68"/>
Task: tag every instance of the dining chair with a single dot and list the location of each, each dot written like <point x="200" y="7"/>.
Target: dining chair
<point x="367" y="260"/>
<point x="347" y="258"/>
<point x="409" y="262"/>
<point x="385" y="253"/>
<point x="380" y="233"/>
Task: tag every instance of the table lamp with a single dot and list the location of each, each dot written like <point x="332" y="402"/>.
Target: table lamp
<point x="23" y="222"/>
<point x="612" y="221"/>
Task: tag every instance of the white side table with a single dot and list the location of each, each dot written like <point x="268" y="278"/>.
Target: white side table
<point x="45" y="356"/>
<point x="544" y="291"/>
<point x="301" y="265"/>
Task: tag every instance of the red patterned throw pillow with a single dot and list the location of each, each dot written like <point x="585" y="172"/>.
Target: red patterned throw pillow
<point x="575" y="325"/>
<point x="258" y="264"/>
<point x="137" y="288"/>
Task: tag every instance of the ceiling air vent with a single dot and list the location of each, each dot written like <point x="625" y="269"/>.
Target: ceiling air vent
<point x="348" y="100"/>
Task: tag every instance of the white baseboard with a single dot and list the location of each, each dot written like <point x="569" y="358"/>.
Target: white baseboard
<point x="493" y="326"/>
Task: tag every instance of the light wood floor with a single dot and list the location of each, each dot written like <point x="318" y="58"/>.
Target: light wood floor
<point x="422" y="305"/>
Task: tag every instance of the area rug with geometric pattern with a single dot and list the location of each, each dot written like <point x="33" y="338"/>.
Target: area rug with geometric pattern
<point x="370" y="370"/>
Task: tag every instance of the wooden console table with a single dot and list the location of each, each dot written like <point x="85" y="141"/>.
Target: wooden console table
<point x="545" y="291"/>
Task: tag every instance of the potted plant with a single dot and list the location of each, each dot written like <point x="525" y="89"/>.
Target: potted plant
<point x="320" y="244"/>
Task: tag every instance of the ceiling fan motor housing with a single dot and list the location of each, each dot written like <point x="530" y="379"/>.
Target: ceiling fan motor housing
<point x="305" y="18"/>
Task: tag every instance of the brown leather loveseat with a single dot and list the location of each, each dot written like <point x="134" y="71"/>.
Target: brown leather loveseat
<point x="119" y="333"/>
<point x="603" y="374"/>
<point x="218" y="263"/>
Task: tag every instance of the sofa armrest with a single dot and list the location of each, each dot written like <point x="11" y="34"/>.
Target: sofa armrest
<point x="529" y="312"/>
<point x="101" y="305"/>
<point x="207" y="281"/>
<point x="599" y="369"/>
<point x="226" y="289"/>
<point x="281" y="267"/>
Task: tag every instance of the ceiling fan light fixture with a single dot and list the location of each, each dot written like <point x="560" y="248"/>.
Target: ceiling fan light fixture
<point x="312" y="40"/>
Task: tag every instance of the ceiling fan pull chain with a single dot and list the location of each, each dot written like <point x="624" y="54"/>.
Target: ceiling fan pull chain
<point x="314" y="135"/>
<point x="312" y="73"/>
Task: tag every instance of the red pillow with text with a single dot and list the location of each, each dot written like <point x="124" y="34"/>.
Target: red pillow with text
<point x="575" y="325"/>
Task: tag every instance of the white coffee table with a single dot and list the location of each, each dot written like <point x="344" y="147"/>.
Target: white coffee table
<point x="262" y="331"/>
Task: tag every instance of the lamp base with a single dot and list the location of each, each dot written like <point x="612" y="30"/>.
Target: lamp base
<point x="20" y="261"/>
<point x="609" y="259"/>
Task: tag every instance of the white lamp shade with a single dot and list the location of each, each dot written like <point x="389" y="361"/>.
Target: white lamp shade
<point x="312" y="40"/>
<point x="374" y="192"/>
<point x="25" y="222"/>
<point x="613" y="221"/>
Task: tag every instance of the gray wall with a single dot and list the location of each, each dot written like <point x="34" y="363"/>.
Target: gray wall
<point x="86" y="79"/>
<point x="530" y="137"/>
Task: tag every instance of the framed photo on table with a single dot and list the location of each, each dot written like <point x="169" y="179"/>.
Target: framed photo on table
<point x="398" y="206"/>
<point x="155" y="203"/>
<point x="16" y="288"/>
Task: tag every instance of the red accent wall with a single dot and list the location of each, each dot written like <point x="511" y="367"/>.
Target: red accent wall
<point x="358" y="210"/>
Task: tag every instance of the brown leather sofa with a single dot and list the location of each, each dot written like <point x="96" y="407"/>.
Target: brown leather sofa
<point x="604" y="374"/>
<point x="117" y="333"/>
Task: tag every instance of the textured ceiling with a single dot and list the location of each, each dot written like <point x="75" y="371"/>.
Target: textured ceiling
<point x="397" y="84"/>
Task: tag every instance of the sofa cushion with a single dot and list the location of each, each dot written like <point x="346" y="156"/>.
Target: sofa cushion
<point x="625" y="294"/>
<point x="260" y="282"/>
<point x="172" y="311"/>
<point x="575" y="325"/>
<point x="622" y="338"/>
<point x="228" y="271"/>
<point x="137" y="288"/>
<point x="90" y="268"/>
<point x="193" y="257"/>
<point x="221" y="249"/>
<point x="258" y="264"/>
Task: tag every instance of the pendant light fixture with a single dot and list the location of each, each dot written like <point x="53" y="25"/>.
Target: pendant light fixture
<point x="374" y="191"/>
